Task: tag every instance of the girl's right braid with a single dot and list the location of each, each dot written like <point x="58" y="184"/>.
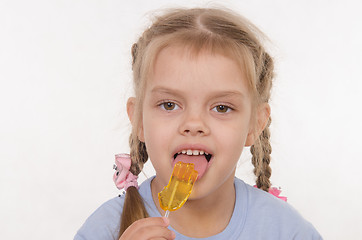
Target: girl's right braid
<point x="138" y="150"/>
<point x="133" y="207"/>
<point x="138" y="154"/>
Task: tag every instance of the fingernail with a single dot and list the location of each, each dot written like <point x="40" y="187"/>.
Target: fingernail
<point x="166" y="220"/>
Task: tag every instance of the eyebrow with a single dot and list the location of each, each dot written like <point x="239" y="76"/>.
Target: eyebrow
<point x="216" y="94"/>
<point x="166" y="91"/>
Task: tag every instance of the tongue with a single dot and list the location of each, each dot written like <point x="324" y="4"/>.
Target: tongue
<point x="200" y="162"/>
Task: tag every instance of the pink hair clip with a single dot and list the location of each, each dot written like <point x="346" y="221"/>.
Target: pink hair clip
<point x="276" y="192"/>
<point x="123" y="178"/>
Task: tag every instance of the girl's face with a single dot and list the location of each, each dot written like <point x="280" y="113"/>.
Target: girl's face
<point x="199" y="105"/>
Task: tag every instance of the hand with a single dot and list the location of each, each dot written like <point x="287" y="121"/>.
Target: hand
<point x="149" y="228"/>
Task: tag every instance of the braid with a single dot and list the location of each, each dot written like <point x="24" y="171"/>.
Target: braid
<point x="265" y="78"/>
<point x="261" y="151"/>
<point x="133" y="207"/>
<point x="134" y="52"/>
<point x="138" y="154"/>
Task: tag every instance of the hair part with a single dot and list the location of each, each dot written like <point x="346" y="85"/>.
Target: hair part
<point x="219" y="32"/>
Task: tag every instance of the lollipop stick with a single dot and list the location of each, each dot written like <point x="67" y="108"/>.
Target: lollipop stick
<point x="167" y="213"/>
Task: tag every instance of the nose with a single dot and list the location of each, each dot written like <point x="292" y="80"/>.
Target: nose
<point x="194" y="124"/>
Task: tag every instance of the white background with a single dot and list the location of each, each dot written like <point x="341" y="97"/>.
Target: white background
<point x="65" y="77"/>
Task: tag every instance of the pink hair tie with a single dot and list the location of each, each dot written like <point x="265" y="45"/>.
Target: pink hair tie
<point x="123" y="178"/>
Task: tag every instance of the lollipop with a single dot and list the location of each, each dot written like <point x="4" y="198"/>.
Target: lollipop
<point x="179" y="188"/>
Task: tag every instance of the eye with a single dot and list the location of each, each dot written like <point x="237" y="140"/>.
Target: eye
<point x="169" y="106"/>
<point x="222" y="109"/>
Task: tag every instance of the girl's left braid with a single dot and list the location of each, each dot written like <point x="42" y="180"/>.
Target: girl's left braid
<point x="261" y="149"/>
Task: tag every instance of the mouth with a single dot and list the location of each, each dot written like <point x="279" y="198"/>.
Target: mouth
<point x="190" y="152"/>
<point x="200" y="158"/>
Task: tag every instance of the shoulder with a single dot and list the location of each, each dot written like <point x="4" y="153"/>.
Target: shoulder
<point x="266" y="214"/>
<point x="103" y="223"/>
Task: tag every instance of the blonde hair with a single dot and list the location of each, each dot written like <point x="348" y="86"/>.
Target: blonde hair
<point x="215" y="30"/>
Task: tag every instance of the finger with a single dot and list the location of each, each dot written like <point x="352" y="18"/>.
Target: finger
<point x="152" y="221"/>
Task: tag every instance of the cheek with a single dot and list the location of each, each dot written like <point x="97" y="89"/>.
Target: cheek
<point x="155" y="132"/>
<point x="233" y="134"/>
<point x="156" y="136"/>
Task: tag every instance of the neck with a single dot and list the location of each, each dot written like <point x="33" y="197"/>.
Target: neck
<point x="203" y="217"/>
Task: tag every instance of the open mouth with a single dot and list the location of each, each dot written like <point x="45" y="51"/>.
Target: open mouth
<point x="201" y="159"/>
<point x="194" y="153"/>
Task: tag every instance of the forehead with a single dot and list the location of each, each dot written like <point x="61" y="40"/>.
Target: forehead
<point x="179" y="68"/>
<point x="176" y="58"/>
<point x="195" y="46"/>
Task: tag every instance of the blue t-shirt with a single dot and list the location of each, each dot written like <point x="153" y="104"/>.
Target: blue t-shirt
<point x="257" y="215"/>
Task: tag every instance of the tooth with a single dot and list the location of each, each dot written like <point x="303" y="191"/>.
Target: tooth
<point x="195" y="152"/>
<point x="201" y="152"/>
<point x="206" y="153"/>
<point x="183" y="151"/>
<point x="189" y="152"/>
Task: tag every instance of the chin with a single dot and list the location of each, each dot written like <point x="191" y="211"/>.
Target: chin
<point x="198" y="193"/>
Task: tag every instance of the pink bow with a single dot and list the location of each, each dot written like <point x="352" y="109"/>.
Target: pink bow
<point x="276" y="191"/>
<point x="123" y="178"/>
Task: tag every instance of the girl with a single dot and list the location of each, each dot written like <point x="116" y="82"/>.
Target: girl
<point x="202" y="85"/>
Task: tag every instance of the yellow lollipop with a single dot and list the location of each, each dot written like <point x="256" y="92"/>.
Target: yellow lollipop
<point x="179" y="188"/>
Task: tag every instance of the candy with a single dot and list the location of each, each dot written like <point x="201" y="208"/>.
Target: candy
<point x="179" y="188"/>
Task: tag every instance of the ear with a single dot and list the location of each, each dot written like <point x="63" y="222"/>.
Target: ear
<point x="262" y="117"/>
<point x="131" y="103"/>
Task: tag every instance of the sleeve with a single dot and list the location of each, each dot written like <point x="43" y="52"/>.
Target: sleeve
<point x="272" y="218"/>
<point x="104" y="223"/>
<point x="307" y="232"/>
